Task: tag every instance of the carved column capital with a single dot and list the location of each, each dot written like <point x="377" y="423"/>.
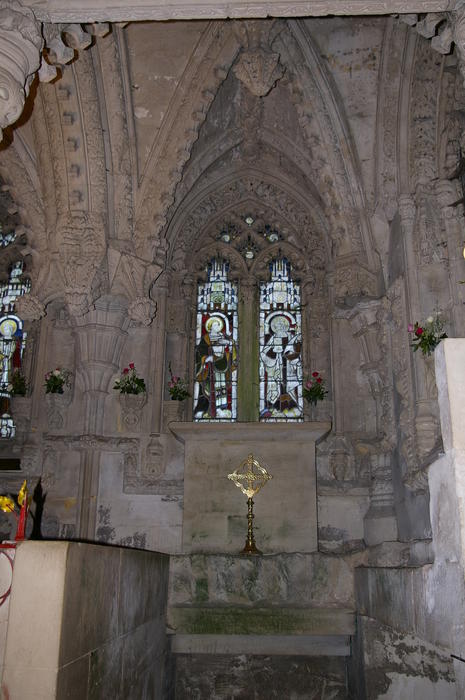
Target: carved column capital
<point x="20" y="47"/>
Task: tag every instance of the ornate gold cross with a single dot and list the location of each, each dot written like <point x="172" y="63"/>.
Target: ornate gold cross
<point x="250" y="477"/>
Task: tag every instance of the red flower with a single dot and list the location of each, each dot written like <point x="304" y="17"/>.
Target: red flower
<point x="319" y="380"/>
<point x="125" y="370"/>
<point x="418" y="332"/>
<point x="315" y="374"/>
<point x="131" y="365"/>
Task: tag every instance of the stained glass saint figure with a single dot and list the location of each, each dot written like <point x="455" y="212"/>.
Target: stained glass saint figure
<point x="215" y="388"/>
<point x="280" y="346"/>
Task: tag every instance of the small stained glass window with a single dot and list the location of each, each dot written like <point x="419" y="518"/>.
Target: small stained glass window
<point x="215" y="387"/>
<point x="12" y="342"/>
<point x="280" y="346"/>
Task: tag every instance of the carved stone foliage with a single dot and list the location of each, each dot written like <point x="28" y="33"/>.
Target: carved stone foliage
<point x="430" y="238"/>
<point x="56" y="405"/>
<point x="81" y="237"/>
<point x="423" y="114"/>
<point x="267" y="195"/>
<point x="147" y="473"/>
<point x="29" y="308"/>
<point x="352" y="282"/>
<point x="131" y="409"/>
<point x="134" y="278"/>
<point x="413" y="476"/>
<point x="20" y="46"/>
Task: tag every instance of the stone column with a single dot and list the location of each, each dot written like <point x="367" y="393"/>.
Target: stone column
<point x="100" y="336"/>
<point x="380" y="523"/>
<point x="20" y="47"/>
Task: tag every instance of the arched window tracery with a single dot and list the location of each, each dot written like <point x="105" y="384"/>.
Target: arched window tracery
<point x="249" y="368"/>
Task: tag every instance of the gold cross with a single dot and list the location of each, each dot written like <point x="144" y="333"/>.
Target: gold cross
<point x="254" y="479"/>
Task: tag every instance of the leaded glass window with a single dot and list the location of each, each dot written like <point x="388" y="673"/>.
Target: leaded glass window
<point x="215" y="385"/>
<point x="12" y="342"/>
<point x="280" y="362"/>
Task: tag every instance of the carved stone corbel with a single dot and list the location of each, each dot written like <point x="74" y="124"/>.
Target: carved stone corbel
<point x="257" y="67"/>
<point x="81" y="238"/>
<point x="20" y="46"/>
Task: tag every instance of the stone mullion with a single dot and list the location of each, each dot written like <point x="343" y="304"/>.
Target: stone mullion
<point x="157" y="358"/>
<point x="248" y="374"/>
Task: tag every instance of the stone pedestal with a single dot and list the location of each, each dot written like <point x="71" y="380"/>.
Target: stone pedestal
<point x="215" y="510"/>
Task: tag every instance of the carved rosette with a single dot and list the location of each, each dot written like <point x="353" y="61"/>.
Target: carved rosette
<point x="81" y="238"/>
<point x="20" y="46"/>
<point x="131" y="409"/>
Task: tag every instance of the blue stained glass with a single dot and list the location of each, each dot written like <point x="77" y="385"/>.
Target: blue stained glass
<point x="215" y="386"/>
<point x="280" y="346"/>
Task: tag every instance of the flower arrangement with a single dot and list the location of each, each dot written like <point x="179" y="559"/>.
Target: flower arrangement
<point x="129" y="382"/>
<point x="56" y="380"/>
<point x="18" y="385"/>
<point x="314" y="389"/>
<point x="8" y="505"/>
<point x="427" y="336"/>
<point x="177" y="387"/>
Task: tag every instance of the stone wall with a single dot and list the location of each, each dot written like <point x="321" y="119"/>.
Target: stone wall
<point x="411" y="627"/>
<point x="86" y="621"/>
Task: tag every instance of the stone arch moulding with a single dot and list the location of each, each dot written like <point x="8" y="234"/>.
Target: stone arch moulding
<point x="195" y="216"/>
<point x="328" y="134"/>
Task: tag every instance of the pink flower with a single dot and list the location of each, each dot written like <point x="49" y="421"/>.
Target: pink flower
<point x="419" y="332"/>
<point x="410" y="327"/>
<point x="175" y="380"/>
<point x="131" y="365"/>
<point x="125" y="370"/>
<point x="308" y="385"/>
<point x="315" y="374"/>
<point x="319" y="380"/>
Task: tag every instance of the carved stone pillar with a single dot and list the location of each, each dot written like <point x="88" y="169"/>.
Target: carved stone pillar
<point x="100" y="336"/>
<point x="367" y="322"/>
<point x="448" y="192"/>
<point x="457" y="21"/>
<point x="20" y="46"/>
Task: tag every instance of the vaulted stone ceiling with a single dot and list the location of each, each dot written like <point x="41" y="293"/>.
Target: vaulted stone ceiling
<point x="154" y="121"/>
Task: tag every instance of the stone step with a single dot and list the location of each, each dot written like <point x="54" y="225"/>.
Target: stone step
<point x="256" y="644"/>
<point x="237" y="620"/>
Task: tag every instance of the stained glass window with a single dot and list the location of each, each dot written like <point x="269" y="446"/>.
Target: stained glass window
<point x="280" y="346"/>
<point x="215" y="387"/>
<point x="12" y="342"/>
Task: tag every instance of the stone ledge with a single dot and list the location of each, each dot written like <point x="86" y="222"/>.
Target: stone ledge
<point x="255" y="644"/>
<point x="261" y="620"/>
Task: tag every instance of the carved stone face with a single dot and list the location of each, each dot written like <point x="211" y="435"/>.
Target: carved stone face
<point x="11" y="99"/>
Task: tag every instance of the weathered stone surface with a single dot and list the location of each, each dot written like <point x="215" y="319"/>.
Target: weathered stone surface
<point x="285" y="579"/>
<point x="260" y="620"/>
<point x="260" y="677"/>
